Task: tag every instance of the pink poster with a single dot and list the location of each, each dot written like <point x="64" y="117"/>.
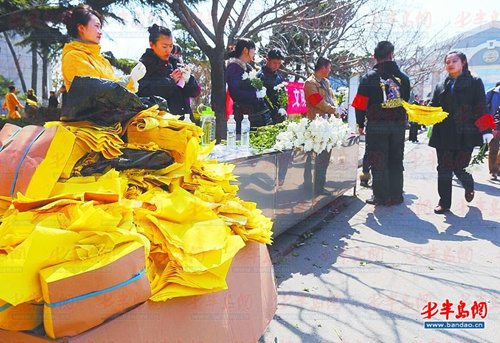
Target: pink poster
<point x="296" y="98"/>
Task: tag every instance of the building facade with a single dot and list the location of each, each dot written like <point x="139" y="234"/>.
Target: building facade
<point x="482" y="48"/>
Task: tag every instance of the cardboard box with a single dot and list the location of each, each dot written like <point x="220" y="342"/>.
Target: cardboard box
<point x="80" y="295"/>
<point x="25" y="316"/>
<point x="33" y="158"/>
<point x="239" y="314"/>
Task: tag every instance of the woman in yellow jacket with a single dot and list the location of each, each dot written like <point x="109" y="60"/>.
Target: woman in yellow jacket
<point x="82" y="56"/>
<point x="11" y="103"/>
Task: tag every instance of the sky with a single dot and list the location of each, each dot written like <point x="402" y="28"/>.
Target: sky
<point x="445" y="17"/>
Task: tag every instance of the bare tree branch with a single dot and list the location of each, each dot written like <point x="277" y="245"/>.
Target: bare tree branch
<point x="239" y="21"/>
<point x="223" y="20"/>
<point x="191" y="20"/>
<point x="215" y="7"/>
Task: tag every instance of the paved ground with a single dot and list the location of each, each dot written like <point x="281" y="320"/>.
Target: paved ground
<point x="364" y="274"/>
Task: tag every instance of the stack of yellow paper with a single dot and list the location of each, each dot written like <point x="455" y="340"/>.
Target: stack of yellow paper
<point x="187" y="215"/>
<point x="164" y="129"/>
<point x="105" y="140"/>
<point x="425" y="115"/>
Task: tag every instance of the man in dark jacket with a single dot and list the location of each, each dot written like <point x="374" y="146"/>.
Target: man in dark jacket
<point x="271" y="78"/>
<point x="53" y="102"/>
<point x="379" y="100"/>
<point x="160" y="82"/>
<point x="64" y="94"/>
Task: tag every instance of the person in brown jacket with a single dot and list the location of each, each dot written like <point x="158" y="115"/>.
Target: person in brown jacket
<point x="319" y="94"/>
<point x="319" y="100"/>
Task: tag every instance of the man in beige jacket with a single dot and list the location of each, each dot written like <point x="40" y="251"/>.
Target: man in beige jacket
<point x="319" y="100"/>
<point x="319" y="95"/>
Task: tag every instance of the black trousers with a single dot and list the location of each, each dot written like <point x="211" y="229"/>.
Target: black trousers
<point x="414" y="127"/>
<point x="385" y="143"/>
<point x="366" y="164"/>
<point x="449" y="162"/>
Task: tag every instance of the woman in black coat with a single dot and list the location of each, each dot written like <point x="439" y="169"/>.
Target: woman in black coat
<point x="163" y="76"/>
<point x="462" y="96"/>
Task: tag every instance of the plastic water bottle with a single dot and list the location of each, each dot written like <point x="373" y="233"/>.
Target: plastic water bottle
<point x="231" y="132"/>
<point x="187" y="118"/>
<point x="208" y="127"/>
<point x="245" y="132"/>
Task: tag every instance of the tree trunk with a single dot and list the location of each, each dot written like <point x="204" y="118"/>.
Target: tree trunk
<point x="45" y="67"/>
<point x="34" y="66"/>
<point x="16" y="62"/>
<point x="219" y="90"/>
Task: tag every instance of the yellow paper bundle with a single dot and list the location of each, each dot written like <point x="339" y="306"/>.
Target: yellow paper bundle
<point x="105" y="140"/>
<point x="425" y="115"/>
<point x="187" y="213"/>
<point x="31" y="103"/>
<point x="184" y="231"/>
<point x="40" y="233"/>
<point x="164" y="129"/>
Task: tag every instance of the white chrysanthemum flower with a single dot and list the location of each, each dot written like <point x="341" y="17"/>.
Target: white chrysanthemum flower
<point x="292" y="126"/>
<point x="308" y="145"/>
<point x="315" y="135"/>
<point x="279" y="86"/>
<point x="252" y="74"/>
<point x="473" y="168"/>
<point x="279" y="145"/>
<point x="304" y="122"/>
<point x="244" y="76"/>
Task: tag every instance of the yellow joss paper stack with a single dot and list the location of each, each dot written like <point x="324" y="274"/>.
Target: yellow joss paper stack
<point x="425" y="115"/>
<point x="187" y="215"/>
<point x="164" y="129"/>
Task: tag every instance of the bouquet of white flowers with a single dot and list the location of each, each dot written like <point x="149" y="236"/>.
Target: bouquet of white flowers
<point x="340" y="94"/>
<point x="478" y="159"/>
<point x="254" y="81"/>
<point x="282" y="94"/>
<point x="313" y="135"/>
